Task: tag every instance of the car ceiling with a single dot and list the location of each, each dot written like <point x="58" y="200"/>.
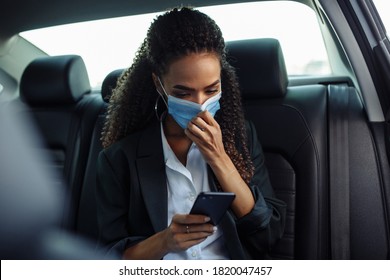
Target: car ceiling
<point x="23" y="15"/>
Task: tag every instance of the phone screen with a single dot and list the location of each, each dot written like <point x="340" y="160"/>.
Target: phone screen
<point x="213" y="205"/>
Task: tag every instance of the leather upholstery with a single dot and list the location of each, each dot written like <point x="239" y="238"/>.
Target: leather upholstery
<point x="86" y="224"/>
<point x="260" y="67"/>
<point x="54" y="81"/>
<point x="291" y="126"/>
<point x="57" y="92"/>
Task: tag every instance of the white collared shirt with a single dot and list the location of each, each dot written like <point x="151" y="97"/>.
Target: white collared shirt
<point x="184" y="184"/>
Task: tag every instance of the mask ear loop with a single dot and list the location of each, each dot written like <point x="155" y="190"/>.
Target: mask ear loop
<point x="159" y="117"/>
<point x="166" y="95"/>
<point x="162" y="97"/>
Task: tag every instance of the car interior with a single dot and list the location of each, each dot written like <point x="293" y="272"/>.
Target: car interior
<point x="326" y="138"/>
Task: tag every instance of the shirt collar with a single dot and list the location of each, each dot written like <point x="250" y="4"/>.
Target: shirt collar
<point x="170" y="158"/>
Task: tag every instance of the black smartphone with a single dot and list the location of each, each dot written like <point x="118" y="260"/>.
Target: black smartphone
<point x="213" y="205"/>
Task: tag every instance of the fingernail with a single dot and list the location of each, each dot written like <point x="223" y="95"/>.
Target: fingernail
<point x="207" y="219"/>
<point x="215" y="229"/>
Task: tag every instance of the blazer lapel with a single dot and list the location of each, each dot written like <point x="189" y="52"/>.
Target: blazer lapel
<point x="152" y="176"/>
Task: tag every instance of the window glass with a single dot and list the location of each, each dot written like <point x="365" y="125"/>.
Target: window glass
<point x="106" y="45"/>
<point x="383" y="9"/>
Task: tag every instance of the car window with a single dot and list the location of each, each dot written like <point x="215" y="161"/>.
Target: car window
<point x="111" y="44"/>
<point x="382" y="7"/>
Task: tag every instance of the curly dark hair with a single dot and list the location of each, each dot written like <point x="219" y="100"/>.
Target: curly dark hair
<point x="174" y="34"/>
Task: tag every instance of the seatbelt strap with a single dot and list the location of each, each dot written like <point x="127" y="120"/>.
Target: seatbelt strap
<point x="338" y="97"/>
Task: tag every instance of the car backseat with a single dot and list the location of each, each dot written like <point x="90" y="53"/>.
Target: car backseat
<point x="58" y="96"/>
<point x="292" y="126"/>
<point x="86" y="223"/>
<point x="70" y="118"/>
<point x="320" y="155"/>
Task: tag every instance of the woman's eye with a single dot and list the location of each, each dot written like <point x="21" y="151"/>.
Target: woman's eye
<point x="180" y="94"/>
<point x="212" y="91"/>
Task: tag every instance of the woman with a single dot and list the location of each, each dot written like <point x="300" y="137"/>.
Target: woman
<point x="175" y="128"/>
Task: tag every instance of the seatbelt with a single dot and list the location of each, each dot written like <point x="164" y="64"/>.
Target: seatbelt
<point x="338" y="99"/>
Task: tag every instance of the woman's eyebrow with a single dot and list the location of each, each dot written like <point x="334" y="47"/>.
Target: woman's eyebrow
<point x="192" y="89"/>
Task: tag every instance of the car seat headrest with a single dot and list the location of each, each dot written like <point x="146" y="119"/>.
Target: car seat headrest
<point x="55" y="80"/>
<point x="109" y="83"/>
<point x="260" y="67"/>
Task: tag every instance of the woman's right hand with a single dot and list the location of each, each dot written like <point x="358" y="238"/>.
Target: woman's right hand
<point x="186" y="231"/>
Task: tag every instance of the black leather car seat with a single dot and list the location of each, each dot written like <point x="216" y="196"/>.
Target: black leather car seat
<point x="291" y="123"/>
<point x="295" y="125"/>
<point x="58" y="94"/>
<point x="86" y="224"/>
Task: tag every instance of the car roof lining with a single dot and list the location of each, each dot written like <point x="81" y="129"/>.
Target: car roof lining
<point x="29" y="16"/>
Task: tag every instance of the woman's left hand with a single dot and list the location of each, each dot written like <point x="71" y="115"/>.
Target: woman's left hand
<point x="205" y="132"/>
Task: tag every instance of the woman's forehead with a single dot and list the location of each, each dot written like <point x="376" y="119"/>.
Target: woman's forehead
<point x="194" y="68"/>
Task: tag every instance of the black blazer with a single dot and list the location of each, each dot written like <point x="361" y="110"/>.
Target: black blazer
<point x="132" y="198"/>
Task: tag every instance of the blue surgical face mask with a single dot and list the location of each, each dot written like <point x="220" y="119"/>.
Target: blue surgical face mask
<point x="183" y="111"/>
